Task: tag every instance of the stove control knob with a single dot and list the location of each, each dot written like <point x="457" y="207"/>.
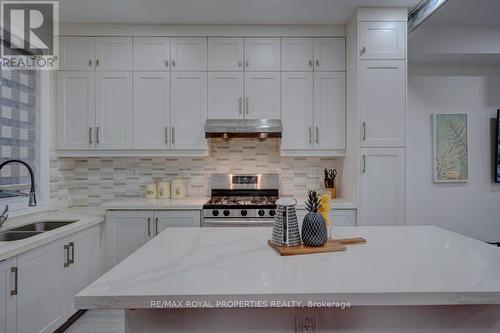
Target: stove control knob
<point x="272" y="212"/>
<point x="215" y="212"/>
<point x="261" y="212"/>
<point x="226" y="212"/>
<point x="244" y="212"/>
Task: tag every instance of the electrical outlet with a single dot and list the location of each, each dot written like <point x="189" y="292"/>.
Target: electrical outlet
<point x="306" y="323"/>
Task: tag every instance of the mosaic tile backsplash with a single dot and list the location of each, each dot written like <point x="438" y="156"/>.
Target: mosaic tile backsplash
<point x="93" y="181"/>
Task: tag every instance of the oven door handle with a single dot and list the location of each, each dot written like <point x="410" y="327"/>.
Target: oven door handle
<point x="237" y="223"/>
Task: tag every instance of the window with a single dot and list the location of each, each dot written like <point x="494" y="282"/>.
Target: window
<point x="20" y="131"/>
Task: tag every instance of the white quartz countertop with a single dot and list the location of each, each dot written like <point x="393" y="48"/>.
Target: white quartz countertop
<point x="86" y="217"/>
<point x="143" y="203"/>
<point x="406" y="265"/>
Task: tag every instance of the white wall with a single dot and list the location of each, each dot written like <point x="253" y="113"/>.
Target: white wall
<point x="473" y="208"/>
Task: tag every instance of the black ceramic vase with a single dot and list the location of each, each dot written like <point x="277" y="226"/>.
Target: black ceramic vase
<point x="314" y="230"/>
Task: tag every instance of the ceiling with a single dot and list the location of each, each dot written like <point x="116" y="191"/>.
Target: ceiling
<point x="218" y="11"/>
<point x="467" y="13"/>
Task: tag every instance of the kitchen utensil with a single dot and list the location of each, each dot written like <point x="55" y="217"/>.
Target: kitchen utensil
<point x="178" y="189"/>
<point x="330" y="185"/>
<point x="164" y="189"/>
<point x="286" y="226"/>
<point x="151" y="191"/>
<point x="333" y="245"/>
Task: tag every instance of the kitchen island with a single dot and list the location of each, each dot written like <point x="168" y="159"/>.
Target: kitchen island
<point x="408" y="278"/>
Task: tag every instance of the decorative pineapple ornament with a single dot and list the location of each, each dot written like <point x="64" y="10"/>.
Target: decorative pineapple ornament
<point x="314" y="232"/>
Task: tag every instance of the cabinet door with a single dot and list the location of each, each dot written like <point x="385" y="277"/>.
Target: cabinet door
<point x="189" y="110"/>
<point x="343" y="217"/>
<point x="77" y="53"/>
<point x="225" y="54"/>
<point x="329" y="54"/>
<point x="262" y="91"/>
<point x="188" y="54"/>
<point x="114" y="110"/>
<point x="176" y="218"/>
<point x="329" y="110"/>
<point x="85" y="252"/>
<point x="151" y="110"/>
<point x="225" y="95"/>
<point x="113" y="53"/>
<point x="75" y="110"/>
<point x="40" y="298"/>
<point x="262" y="54"/>
<point x="297" y="114"/>
<point x="382" y="186"/>
<point x="297" y="54"/>
<point x="126" y="231"/>
<point x="382" y="40"/>
<point x="8" y="302"/>
<point x="383" y="103"/>
<point x="151" y="53"/>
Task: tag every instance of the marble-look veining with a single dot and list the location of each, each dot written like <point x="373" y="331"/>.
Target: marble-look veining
<point x="86" y="218"/>
<point x="406" y="265"/>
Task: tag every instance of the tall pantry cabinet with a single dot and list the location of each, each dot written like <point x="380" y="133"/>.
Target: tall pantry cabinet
<point x="377" y="44"/>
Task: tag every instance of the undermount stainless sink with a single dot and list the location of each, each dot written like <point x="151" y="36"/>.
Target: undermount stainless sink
<point x="32" y="229"/>
<point x="9" y="236"/>
<point x="43" y="226"/>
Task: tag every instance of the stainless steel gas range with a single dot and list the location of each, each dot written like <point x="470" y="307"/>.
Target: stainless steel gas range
<point x="241" y="200"/>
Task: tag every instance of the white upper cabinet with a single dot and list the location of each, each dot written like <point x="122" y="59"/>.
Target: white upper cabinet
<point x="382" y="101"/>
<point x="114" y="110"/>
<point x="189" y="110"/>
<point x="297" y="110"/>
<point x="225" y="95"/>
<point x="329" y="110"/>
<point x="8" y="297"/>
<point x="297" y="54"/>
<point x="262" y="54"/>
<point x="77" y="53"/>
<point x="382" y="40"/>
<point x="151" y="110"/>
<point x="262" y="91"/>
<point x="151" y="53"/>
<point x="113" y="53"/>
<point x="382" y="186"/>
<point x="225" y="54"/>
<point x="75" y="110"/>
<point x="329" y="54"/>
<point x="188" y="54"/>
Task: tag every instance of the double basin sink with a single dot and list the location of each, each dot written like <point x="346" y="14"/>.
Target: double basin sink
<point x="32" y="229"/>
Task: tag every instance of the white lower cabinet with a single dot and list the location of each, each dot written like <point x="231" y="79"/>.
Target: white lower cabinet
<point x="382" y="186"/>
<point x="128" y="230"/>
<point x="339" y="217"/>
<point x="8" y="298"/>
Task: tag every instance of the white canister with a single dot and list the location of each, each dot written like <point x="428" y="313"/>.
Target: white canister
<point x="164" y="189"/>
<point x="151" y="191"/>
<point x="178" y="189"/>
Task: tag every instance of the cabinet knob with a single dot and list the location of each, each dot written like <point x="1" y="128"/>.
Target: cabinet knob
<point x="240" y="63"/>
<point x="97" y="62"/>
<point x="317" y="62"/>
<point x="364" y="163"/>
<point x="247" y="63"/>
<point x="310" y="63"/>
<point x="173" y="63"/>
<point x="90" y="62"/>
<point x="363" y="49"/>
<point x="166" y="63"/>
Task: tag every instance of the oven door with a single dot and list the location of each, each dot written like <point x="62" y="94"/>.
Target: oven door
<point x="238" y="222"/>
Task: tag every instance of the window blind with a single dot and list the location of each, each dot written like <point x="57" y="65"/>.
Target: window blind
<point x="19" y="126"/>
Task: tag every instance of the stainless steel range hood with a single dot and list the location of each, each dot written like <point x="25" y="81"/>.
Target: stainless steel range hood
<point x="238" y="128"/>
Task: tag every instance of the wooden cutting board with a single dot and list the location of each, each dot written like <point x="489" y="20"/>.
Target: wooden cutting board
<point x="332" y="245"/>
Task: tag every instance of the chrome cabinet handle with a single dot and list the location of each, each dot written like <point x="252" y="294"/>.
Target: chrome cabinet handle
<point x="310" y="63"/>
<point x="156" y="226"/>
<point x="363" y="49"/>
<point x="246" y="106"/>
<point x="364" y="130"/>
<point x="149" y="226"/>
<point x="317" y="134"/>
<point x="240" y="63"/>
<point x="310" y="134"/>
<point x="173" y="135"/>
<point x="240" y="104"/>
<point x="13" y="292"/>
<point x="166" y="63"/>
<point x="90" y="134"/>
<point x="97" y="135"/>
<point x="90" y="62"/>
<point x="247" y="63"/>
<point x="317" y="62"/>
<point x="66" y="259"/>
<point x="364" y="163"/>
<point x="166" y="134"/>
<point x="97" y="62"/>
<point x="72" y="260"/>
<point x="173" y="63"/>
